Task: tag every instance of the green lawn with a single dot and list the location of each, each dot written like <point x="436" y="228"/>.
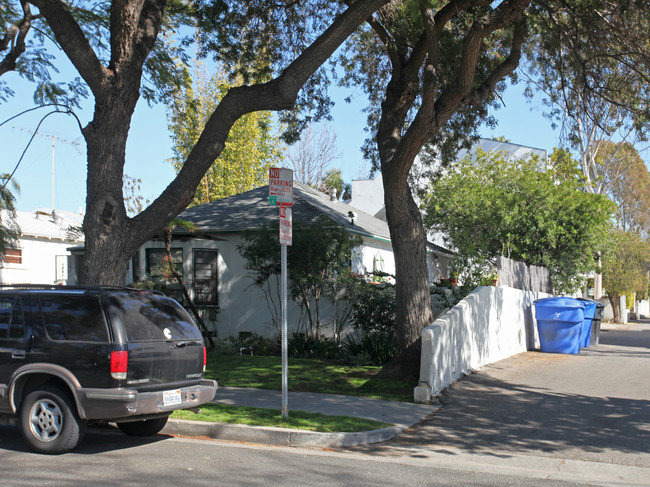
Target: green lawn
<point x="305" y="375"/>
<point x="221" y="413"/>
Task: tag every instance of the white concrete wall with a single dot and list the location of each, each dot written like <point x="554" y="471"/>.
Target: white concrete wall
<point x="490" y="324"/>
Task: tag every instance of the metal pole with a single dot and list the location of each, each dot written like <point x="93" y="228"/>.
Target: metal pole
<point x="283" y="284"/>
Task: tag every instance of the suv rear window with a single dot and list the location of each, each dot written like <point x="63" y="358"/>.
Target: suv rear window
<point x="149" y="317"/>
<point x="74" y="318"/>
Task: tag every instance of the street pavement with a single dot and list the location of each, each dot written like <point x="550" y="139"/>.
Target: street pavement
<point x="592" y="407"/>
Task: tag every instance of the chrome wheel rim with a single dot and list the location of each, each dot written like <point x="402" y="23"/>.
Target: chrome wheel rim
<point x="45" y="420"/>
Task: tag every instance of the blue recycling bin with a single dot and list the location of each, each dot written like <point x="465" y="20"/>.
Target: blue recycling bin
<point x="589" y="310"/>
<point x="559" y="322"/>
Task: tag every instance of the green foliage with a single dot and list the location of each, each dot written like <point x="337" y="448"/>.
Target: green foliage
<point x="630" y="188"/>
<point x="303" y="345"/>
<point x="255" y="40"/>
<point x="625" y="263"/>
<point x="374" y="321"/>
<point x="251" y="147"/>
<point x="8" y="229"/>
<point x="319" y="252"/>
<point x="491" y="206"/>
<point x="256" y="344"/>
<point x="222" y="413"/>
<point x="333" y="180"/>
<point x="466" y="275"/>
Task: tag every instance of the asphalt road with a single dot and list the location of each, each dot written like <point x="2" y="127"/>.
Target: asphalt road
<point x="533" y="419"/>
<point x="113" y="460"/>
<point x="593" y="407"/>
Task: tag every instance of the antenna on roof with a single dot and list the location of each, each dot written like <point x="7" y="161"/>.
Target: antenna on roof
<point x="75" y="143"/>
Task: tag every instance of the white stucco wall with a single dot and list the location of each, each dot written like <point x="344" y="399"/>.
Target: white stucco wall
<point x="490" y="324"/>
<point x="39" y="263"/>
<point x="243" y="306"/>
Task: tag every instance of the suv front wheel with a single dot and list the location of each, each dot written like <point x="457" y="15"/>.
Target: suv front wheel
<point x="49" y="421"/>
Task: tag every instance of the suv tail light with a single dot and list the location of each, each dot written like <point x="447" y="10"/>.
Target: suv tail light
<point x="205" y="359"/>
<point x="119" y="363"/>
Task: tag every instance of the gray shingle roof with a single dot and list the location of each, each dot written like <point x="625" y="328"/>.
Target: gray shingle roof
<point x="250" y="209"/>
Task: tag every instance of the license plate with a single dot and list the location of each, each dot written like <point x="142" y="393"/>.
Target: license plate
<point x="171" y="398"/>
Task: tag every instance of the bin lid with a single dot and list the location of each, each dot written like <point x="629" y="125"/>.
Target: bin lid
<point x="559" y="308"/>
<point x="562" y="301"/>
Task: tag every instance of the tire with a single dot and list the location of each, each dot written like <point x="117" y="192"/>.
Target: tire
<point x="49" y="421"/>
<point x="147" y="427"/>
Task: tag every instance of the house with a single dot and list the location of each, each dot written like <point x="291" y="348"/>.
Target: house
<point x="215" y="273"/>
<point x="41" y="254"/>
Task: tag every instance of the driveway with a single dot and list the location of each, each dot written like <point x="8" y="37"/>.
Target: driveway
<point x="594" y="406"/>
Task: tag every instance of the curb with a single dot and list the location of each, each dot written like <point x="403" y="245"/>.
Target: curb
<point x="277" y="436"/>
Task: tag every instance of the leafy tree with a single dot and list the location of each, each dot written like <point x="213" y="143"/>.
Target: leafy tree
<point x="8" y="229"/>
<point x="590" y="67"/>
<point x="491" y="206"/>
<point x="123" y="50"/>
<point x="333" y="181"/>
<point x="431" y="70"/>
<point x="318" y="253"/>
<point x="631" y="189"/>
<point x="251" y="147"/>
<point x="626" y="263"/>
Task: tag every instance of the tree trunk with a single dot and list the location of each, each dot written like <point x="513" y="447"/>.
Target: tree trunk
<point x="413" y="307"/>
<point x="110" y="240"/>
<point x="615" y="301"/>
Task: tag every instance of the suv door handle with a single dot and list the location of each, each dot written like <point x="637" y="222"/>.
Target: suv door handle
<point x="18" y="354"/>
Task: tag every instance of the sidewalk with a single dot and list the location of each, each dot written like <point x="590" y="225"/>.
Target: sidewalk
<point x="401" y="415"/>
<point x="582" y="406"/>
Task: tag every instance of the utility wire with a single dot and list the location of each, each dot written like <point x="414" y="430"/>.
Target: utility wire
<point x="67" y="112"/>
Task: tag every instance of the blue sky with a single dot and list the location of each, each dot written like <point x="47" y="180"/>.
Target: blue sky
<point x="149" y="145"/>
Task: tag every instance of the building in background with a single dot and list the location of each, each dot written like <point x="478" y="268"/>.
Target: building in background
<point x="41" y="254"/>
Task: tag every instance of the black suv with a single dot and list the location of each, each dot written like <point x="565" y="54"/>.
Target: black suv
<point x="70" y="355"/>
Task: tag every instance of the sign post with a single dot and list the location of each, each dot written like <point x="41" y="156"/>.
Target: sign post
<point x="281" y="194"/>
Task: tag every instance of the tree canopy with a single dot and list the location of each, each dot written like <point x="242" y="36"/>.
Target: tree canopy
<point x="491" y="205"/>
<point x="431" y="70"/>
<point x="319" y="253"/>
<point x="251" y="148"/>
<point x="125" y="50"/>
<point x="8" y="230"/>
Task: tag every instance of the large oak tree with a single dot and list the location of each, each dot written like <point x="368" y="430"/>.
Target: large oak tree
<point x="431" y="69"/>
<point x="112" y="59"/>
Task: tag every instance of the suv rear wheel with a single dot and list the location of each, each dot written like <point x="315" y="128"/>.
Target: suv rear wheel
<point x="49" y="421"/>
<point x="143" y="428"/>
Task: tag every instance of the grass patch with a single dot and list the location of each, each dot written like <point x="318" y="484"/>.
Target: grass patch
<point x="305" y="375"/>
<point x="301" y="420"/>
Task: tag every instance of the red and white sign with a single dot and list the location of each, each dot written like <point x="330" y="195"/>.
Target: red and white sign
<point x="286" y="226"/>
<point x="280" y="186"/>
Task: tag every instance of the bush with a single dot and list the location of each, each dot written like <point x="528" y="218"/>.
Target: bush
<point x="374" y="320"/>
<point x="258" y="344"/>
<point x="370" y="349"/>
<point x="302" y="345"/>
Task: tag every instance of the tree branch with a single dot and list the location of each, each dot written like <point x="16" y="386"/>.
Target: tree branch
<point x="73" y="42"/>
<point x="278" y="94"/>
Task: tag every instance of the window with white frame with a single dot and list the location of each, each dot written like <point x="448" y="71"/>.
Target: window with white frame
<point x="205" y="279"/>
